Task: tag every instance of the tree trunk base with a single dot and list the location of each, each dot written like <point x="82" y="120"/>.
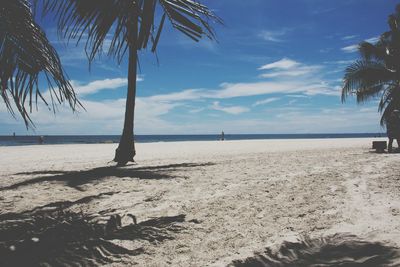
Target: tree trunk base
<point x="124" y="154"/>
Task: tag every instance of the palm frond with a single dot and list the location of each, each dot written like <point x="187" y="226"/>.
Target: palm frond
<point x="393" y="22"/>
<point x="390" y="101"/>
<point x="93" y="22"/>
<point x="101" y="21"/>
<point x="363" y="78"/>
<point x="369" y="93"/>
<point x="377" y="73"/>
<point x="190" y="17"/>
<point x="370" y="51"/>
<point x="25" y="54"/>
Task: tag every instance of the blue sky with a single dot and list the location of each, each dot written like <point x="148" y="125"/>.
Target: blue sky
<point x="276" y="68"/>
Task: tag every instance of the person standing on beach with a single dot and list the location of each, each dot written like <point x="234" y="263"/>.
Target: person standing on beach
<point x="393" y="129"/>
<point x="41" y="139"/>
<point x="222" y="136"/>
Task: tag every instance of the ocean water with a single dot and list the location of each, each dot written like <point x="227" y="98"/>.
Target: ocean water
<point x="96" y="139"/>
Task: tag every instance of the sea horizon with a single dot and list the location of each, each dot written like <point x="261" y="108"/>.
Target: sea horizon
<point x="20" y="140"/>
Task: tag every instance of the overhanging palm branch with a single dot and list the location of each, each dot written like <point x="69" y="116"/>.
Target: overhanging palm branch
<point x="365" y="79"/>
<point x="96" y="21"/>
<point x="25" y="53"/>
<point x="377" y="74"/>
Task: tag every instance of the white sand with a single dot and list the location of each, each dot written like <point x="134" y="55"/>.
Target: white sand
<point x="245" y="194"/>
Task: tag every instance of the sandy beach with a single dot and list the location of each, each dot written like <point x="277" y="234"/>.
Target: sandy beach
<point x="224" y="200"/>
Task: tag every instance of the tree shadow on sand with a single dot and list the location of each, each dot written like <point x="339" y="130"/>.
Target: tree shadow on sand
<point x="76" y="179"/>
<point x="340" y="250"/>
<point x="59" y="237"/>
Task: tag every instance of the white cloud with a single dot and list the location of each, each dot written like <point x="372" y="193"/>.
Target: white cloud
<point x="292" y="79"/>
<point x="273" y="36"/>
<point x="298" y="96"/>
<point x="140" y="78"/>
<point x="349" y="37"/>
<point x="298" y="71"/>
<point x="325" y="50"/>
<point x="287" y="67"/>
<point x="99" y="85"/>
<point x="100" y="117"/>
<point x="340" y="62"/>
<point x="350" y="48"/>
<point x="232" y="90"/>
<point x="323" y="89"/>
<point x="266" y="101"/>
<point x="261" y="88"/>
<point x="231" y="109"/>
<point x="197" y="110"/>
<point x="106" y="117"/>
<point x="288" y="120"/>
<point x="373" y="39"/>
<point x="284" y="64"/>
<point x="353" y="48"/>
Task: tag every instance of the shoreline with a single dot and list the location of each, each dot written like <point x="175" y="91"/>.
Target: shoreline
<point x="346" y="139"/>
<point x="112" y="139"/>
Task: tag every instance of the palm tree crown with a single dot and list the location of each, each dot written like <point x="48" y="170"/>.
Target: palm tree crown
<point x="96" y="21"/>
<point x="25" y="53"/>
<point x="377" y="73"/>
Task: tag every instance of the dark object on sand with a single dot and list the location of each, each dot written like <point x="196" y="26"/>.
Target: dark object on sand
<point x="380" y="146"/>
<point x="339" y="250"/>
<point x="393" y="128"/>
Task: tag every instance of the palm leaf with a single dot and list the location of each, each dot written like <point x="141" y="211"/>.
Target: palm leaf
<point x="363" y="78"/>
<point x="377" y="73"/>
<point x="25" y="54"/>
<point x="369" y="93"/>
<point x="390" y="101"/>
<point x="369" y="51"/>
<point x="103" y="20"/>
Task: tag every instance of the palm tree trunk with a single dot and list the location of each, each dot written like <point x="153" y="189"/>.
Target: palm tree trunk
<point x="126" y="148"/>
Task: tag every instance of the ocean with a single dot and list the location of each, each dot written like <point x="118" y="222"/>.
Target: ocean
<point x="97" y="139"/>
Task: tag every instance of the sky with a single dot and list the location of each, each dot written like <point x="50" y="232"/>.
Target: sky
<point x="276" y="67"/>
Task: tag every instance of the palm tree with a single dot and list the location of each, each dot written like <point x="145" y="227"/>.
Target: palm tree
<point x="25" y="53"/>
<point x="377" y="73"/>
<point x="131" y="25"/>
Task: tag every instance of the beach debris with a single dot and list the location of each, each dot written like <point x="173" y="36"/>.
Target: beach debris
<point x="379" y="146"/>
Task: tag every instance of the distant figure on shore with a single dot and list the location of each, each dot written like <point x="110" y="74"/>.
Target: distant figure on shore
<point x="222" y="136"/>
<point x="393" y="129"/>
<point x="14" y="135"/>
<point x="41" y="139"/>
